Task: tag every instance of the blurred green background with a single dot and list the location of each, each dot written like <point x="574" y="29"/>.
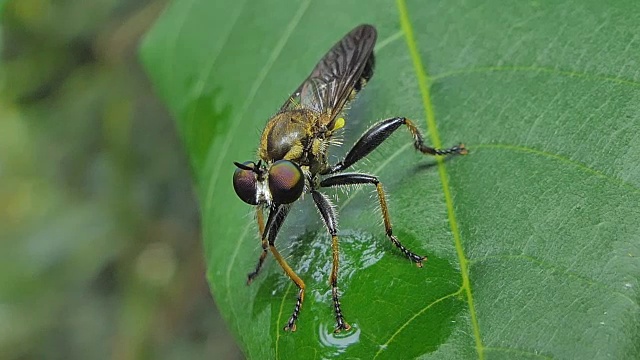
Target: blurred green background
<point x="100" y="252"/>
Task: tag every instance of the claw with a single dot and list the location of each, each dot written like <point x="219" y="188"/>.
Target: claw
<point x="463" y="150"/>
<point x="344" y="326"/>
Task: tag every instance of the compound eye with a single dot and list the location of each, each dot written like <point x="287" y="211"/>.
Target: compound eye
<point x="286" y="182"/>
<point x="244" y="183"/>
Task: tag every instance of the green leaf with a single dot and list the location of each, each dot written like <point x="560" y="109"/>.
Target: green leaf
<point x="533" y="238"/>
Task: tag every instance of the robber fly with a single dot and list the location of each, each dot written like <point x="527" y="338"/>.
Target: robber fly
<point x="293" y="156"/>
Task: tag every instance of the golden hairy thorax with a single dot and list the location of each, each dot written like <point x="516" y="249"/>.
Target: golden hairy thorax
<point x="298" y="135"/>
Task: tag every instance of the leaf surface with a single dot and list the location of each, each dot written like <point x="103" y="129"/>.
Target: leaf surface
<point x="533" y="239"/>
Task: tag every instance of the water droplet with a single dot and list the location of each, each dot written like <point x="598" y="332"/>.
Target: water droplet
<point x="341" y="341"/>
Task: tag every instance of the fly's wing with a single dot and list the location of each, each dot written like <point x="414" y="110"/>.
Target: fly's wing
<point x="339" y="75"/>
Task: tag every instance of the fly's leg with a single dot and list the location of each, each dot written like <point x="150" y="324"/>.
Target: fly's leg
<point x="356" y="179"/>
<point x="265" y="245"/>
<point x="378" y="133"/>
<point x="330" y="220"/>
<point x="276" y="218"/>
<point x="291" y="324"/>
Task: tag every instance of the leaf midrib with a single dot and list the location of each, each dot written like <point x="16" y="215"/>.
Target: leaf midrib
<point x="423" y="82"/>
<point x="472" y="70"/>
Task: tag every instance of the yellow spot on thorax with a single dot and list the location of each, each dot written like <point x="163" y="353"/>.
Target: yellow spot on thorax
<point x="339" y="124"/>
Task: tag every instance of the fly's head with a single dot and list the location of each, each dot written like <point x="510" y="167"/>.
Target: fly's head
<point x="281" y="182"/>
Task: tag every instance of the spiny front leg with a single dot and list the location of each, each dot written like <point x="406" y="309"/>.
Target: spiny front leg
<point x="356" y="179"/>
<point x="265" y="245"/>
<point x="291" y="324"/>
<point x="276" y="218"/>
<point x="329" y="217"/>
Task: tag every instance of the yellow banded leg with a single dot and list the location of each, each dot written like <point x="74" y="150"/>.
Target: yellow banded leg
<point x="389" y="229"/>
<point x="265" y="245"/>
<point x="291" y="324"/>
<point x="341" y="324"/>
<point x="330" y="220"/>
<point x="418" y="143"/>
<point x="356" y="179"/>
<point x="378" y="133"/>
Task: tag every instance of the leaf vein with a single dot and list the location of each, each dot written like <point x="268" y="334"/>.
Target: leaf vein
<point x="173" y="42"/>
<point x="579" y="165"/>
<point x="535" y="69"/>
<point x="249" y="99"/>
<point x="423" y="82"/>
<point x="517" y="351"/>
<point x="555" y="268"/>
<point x="422" y="311"/>
<point x="280" y="312"/>
<point x="234" y="256"/>
<point x="388" y="41"/>
<point x="199" y="87"/>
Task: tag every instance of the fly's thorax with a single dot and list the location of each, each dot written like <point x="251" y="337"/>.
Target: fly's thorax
<point x="287" y="134"/>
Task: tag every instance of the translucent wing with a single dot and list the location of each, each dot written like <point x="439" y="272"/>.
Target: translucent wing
<point x="338" y="75"/>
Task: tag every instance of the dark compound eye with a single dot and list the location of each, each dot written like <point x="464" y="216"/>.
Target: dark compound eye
<point x="286" y="182"/>
<point x="244" y="183"/>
